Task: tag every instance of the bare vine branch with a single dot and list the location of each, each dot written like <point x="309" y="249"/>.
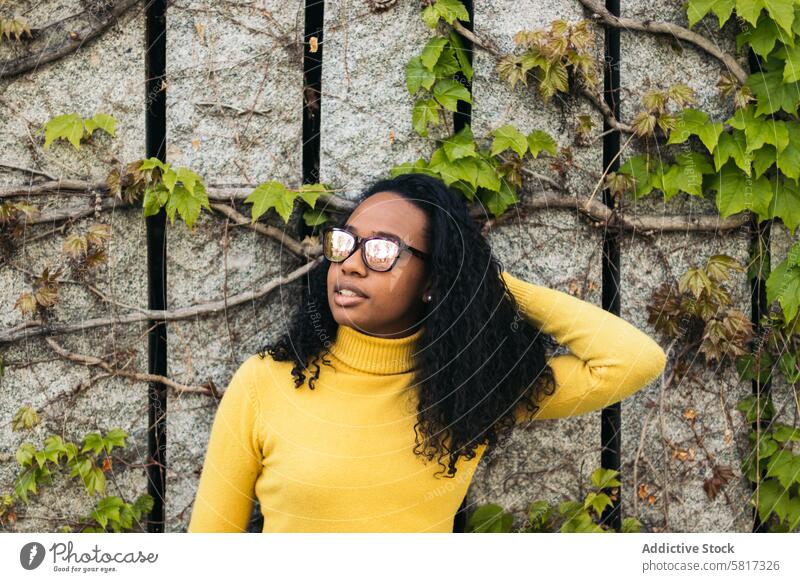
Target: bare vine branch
<point x="596" y="211"/>
<point x="100" y="22"/>
<point x="600" y="13"/>
<point x="482" y="41"/>
<point x="36" y="328"/>
<point x="112" y="371"/>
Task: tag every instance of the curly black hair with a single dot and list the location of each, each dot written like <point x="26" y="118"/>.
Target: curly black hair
<point x="477" y="358"/>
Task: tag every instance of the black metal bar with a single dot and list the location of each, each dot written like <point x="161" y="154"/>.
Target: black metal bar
<point x="760" y="234"/>
<point x="610" y="434"/>
<point x="759" y="307"/>
<point x="463" y="114"/>
<point x="155" y="145"/>
<point x="461" y="117"/>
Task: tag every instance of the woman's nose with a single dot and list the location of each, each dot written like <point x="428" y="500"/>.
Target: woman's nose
<point x="354" y="264"/>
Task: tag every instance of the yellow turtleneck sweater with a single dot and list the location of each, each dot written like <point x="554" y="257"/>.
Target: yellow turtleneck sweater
<point x="339" y="458"/>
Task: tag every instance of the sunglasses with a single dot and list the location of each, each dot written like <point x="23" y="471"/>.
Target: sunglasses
<point x="379" y="253"/>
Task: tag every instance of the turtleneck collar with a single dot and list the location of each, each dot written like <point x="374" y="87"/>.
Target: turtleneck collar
<point x="375" y="355"/>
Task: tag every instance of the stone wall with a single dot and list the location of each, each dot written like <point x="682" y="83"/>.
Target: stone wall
<point x="235" y="116"/>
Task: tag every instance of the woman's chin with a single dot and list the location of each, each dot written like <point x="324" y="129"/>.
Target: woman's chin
<point x="346" y="316"/>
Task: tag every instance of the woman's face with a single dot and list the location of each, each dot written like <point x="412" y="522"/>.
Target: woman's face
<point x="392" y="302"/>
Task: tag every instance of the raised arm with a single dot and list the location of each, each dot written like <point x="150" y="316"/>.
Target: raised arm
<point x="224" y="499"/>
<point x="610" y="359"/>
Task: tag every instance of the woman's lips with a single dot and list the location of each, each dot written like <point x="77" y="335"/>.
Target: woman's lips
<point x="347" y="300"/>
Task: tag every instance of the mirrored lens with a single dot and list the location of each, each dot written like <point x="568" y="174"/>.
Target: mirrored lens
<point x="381" y="254"/>
<point x="338" y="245"/>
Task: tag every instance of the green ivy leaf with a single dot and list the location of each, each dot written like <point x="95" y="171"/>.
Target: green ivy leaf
<point x="686" y="175"/>
<point x="498" y="201"/>
<point x="597" y="501"/>
<point x="432" y="51"/>
<point x="788" y="365"/>
<point x="53" y="448"/>
<point x="539" y="140"/>
<point x="784" y="433"/>
<point x="694" y="122"/>
<point x="154" y="199"/>
<point x="749" y="405"/>
<point x="170" y="178"/>
<point x="761" y="38"/>
<point x="189" y="179"/>
<point x="733" y="145"/>
<point x="115" y="438"/>
<point x="426" y="111"/>
<point x="785" y="204"/>
<point x="25" y="454"/>
<point x="772" y="93"/>
<point x="465" y="169"/>
<point x="461" y="54"/>
<point x="93" y="442"/>
<point x="268" y="195"/>
<point x="759" y="131"/>
<point x="314" y="217"/>
<point x="783" y="285"/>
<point x="447" y="65"/>
<point x="71" y="450"/>
<point x="793" y="513"/>
<point x="603" y="478"/>
<point x="539" y="513"/>
<point x="418" y="76"/>
<point x="785" y="466"/>
<point x="185" y="203"/>
<point x="789" y="157"/>
<point x="489" y="518"/>
<point x="487" y="175"/>
<point x="101" y="121"/>
<point x="631" y="525"/>
<point x="24" y="419"/>
<point x="781" y="11"/>
<point x="151" y="163"/>
<point x="507" y="137"/>
<point x="407" y="167"/>
<point x="637" y="167"/>
<point x="763" y="159"/>
<point x="772" y="497"/>
<point x="697" y="9"/>
<point x="95" y="481"/>
<point x="431" y="16"/>
<point x="68" y="126"/>
<point x="461" y="145"/>
<point x="737" y="192"/>
<point x="25" y="483"/>
<point x="310" y="193"/>
<point x="449" y="91"/>
<point x="142" y="505"/>
<point x="450" y="10"/>
<point x="80" y="466"/>
<point x="791" y="63"/>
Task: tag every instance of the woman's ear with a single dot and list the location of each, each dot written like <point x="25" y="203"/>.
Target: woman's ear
<point x="426" y="291"/>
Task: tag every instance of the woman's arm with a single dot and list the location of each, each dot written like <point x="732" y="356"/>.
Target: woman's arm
<point x="610" y="359"/>
<point x="224" y="499"/>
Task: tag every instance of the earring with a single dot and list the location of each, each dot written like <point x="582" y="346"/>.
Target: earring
<point x="429" y="297"/>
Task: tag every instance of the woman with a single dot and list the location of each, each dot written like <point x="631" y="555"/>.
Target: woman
<point x="411" y="345"/>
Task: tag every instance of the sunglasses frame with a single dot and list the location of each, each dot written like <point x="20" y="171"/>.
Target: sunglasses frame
<point x="360" y="243"/>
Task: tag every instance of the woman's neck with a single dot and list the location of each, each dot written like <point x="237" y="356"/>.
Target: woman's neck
<point x="375" y="355"/>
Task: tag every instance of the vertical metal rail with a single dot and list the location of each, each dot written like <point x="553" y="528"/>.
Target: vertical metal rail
<point x="155" y="145"/>
<point x="611" y="415"/>
<point x="462" y="117"/>
<point x="760" y="235"/>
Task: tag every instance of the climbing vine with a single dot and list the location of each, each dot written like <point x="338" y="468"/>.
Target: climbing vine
<point x="749" y="163"/>
<point x="567" y="517"/>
